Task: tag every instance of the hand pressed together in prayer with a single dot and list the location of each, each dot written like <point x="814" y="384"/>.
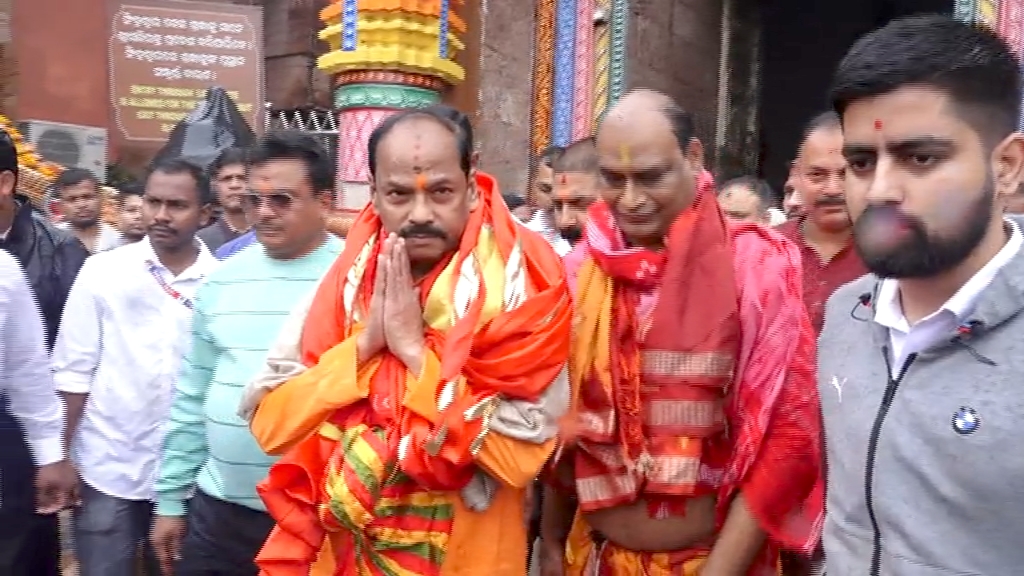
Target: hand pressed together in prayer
<point x="395" y="317"/>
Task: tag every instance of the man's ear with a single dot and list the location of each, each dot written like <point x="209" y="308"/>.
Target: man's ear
<point x="694" y="155"/>
<point x="206" y="212"/>
<point x="326" y="199"/>
<point x="1008" y="164"/>
<point x="8" y="183"/>
<point x="472" y="191"/>
<point x="374" y="197"/>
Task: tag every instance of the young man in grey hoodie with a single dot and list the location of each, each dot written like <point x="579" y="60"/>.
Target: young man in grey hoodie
<point x="921" y="362"/>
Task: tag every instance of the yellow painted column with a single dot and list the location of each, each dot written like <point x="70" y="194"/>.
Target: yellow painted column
<point x="385" y="56"/>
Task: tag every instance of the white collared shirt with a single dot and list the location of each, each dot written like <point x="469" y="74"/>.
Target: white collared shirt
<point x="121" y="341"/>
<point x="25" y="375"/>
<point x="107" y="237"/>
<point x="540" y="223"/>
<point x="905" y="339"/>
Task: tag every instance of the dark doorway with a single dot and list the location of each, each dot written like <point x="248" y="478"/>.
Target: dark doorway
<point x="802" y="42"/>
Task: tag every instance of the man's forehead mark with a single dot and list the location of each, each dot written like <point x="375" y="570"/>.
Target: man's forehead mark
<point x="421" y="181"/>
<point x="878" y="124"/>
<point x="624" y="154"/>
<point x="561" y="179"/>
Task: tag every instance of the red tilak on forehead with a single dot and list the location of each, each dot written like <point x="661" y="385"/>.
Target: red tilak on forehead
<point x="421" y="181"/>
<point x="561" y="179"/>
<point x="878" y="124"/>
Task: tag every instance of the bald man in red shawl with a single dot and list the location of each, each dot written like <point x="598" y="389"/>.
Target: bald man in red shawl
<point x="423" y="400"/>
<point x="694" y="447"/>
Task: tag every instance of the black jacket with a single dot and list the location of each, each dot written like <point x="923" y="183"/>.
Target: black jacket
<point x="51" y="259"/>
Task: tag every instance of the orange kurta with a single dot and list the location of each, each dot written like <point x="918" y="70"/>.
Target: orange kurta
<point x="345" y="441"/>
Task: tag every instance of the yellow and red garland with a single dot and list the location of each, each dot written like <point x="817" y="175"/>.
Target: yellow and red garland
<point x="27" y="155"/>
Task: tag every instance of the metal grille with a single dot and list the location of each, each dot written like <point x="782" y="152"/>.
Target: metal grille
<point x="321" y="123"/>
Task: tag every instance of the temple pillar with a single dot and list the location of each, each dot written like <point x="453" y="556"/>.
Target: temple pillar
<point x="384" y="56"/>
<point x="579" y="67"/>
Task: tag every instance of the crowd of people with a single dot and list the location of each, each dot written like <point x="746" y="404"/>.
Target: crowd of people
<point x="631" y="372"/>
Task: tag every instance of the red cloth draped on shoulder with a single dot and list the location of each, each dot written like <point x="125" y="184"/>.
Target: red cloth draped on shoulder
<point x="673" y="340"/>
<point x="515" y="354"/>
<point x="774" y="412"/>
<point x="745" y="298"/>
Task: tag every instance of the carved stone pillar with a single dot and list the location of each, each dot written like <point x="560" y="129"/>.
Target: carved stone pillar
<point x="385" y="56"/>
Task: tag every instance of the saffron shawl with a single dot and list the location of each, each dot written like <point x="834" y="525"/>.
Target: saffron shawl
<point x="379" y="474"/>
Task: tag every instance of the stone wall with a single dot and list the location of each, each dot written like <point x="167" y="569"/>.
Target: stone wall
<point x="674" y="48"/>
<point x="291" y="47"/>
<point x="506" y="69"/>
<point x="738" y="146"/>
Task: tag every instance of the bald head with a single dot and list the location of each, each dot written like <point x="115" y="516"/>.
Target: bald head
<point x="653" y="108"/>
<point x="641" y="100"/>
<point x="649" y="161"/>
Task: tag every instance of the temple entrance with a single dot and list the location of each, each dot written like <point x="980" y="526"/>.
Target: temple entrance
<point x="802" y="42"/>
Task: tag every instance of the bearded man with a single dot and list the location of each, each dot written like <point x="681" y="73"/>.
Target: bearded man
<point x="695" y="448"/>
<point x="428" y="390"/>
<point x="920" y="362"/>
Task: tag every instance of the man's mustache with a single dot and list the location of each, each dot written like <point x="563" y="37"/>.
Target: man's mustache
<point x="831" y="201"/>
<point x="422" y="231"/>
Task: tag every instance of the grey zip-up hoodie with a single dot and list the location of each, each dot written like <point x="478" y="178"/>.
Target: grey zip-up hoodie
<point x="925" y="475"/>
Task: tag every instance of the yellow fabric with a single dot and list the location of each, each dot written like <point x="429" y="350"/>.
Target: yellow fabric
<point x="592" y="325"/>
<point x="493" y="542"/>
<point x="401" y="41"/>
<point x="480" y="543"/>
<point x="580" y="552"/>
<point x="439" y="311"/>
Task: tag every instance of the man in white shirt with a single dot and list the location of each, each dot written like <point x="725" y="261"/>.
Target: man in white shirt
<point x="26" y="380"/>
<point x="81" y="204"/>
<point x="126" y="327"/>
<point x="543" y="221"/>
<point x="129" y="213"/>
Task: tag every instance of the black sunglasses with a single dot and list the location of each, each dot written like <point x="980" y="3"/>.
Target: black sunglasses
<point x="277" y="201"/>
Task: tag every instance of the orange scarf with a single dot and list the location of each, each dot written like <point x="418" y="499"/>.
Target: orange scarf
<point x="379" y="474"/>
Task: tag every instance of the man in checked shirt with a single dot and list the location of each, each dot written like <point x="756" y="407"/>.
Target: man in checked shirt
<point x="26" y="380"/>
